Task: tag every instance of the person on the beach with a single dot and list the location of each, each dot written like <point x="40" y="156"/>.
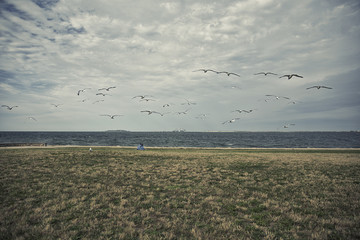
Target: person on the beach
<point x="140" y="147"/>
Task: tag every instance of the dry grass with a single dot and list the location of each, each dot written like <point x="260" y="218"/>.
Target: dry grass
<point x="120" y="193"/>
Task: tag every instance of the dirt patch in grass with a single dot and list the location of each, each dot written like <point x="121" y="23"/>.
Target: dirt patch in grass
<point x="162" y="193"/>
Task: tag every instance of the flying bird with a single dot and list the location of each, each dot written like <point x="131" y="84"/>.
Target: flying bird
<point x="82" y="90"/>
<point x="246" y="111"/>
<point x="294" y="102"/>
<point x="239" y="111"/>
<point x="147" y="99"/>
<point x="277" y="97"/>
<point x="56" y="105"/>
<point x="235" y="87"/>
<point x="206" y="70"/>
<point x="318" y="87"/>
<point x="231" y="121"/>
<point x="111" y="116"/>
<point x="151" y="112"/>
<point x="32" y="118"/>
<point x="167" y="105"/>
<point x="249" y="111"/>
<point x="188" y="102"/>
<point x="289" y="76"/>
<point x="8" y="107"/>
<point x="265" y="73"/>
<point x="185" y="112"/>
<point x="288" y="125"/>
<point x="103" y="94"/>
<point x="230" y="73"/>
<point x="142" y="96"/>
<point x="201" y="116"/>
<point x="107" y="89"/>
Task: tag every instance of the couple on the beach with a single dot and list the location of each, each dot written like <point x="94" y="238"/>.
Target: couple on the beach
<point x="141" y="147"/>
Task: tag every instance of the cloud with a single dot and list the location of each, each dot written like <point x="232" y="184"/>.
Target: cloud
<point x="46" y="4"/>
<point x="51" y="49"/>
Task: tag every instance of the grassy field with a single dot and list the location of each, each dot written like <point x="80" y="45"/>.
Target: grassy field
<point x="166" y="193"/>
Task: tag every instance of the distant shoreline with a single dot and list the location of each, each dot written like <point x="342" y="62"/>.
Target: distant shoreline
<point x="94" y="147"/>
<point x="126" y="131"/>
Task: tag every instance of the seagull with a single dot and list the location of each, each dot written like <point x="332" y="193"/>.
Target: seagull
<point x="289" y="76"/>
<point x="247" y="111"/>
<point x="148" y="111"/>
<point x="230" y="73"/>
<point x="103" y="94"/>
<point x="82" y="90"/>
<point x="206" y="70"/>
<point x="56" y="105"/>
<point x="31" y="118"/>
<point x="287" y="125"/>
<point x="265" y="73"/>
<point x="277" y="97"/>
<point x="235" y="87"/>
<point x="239" y="111"/>
<point x="147" y="99"/>
<point x="151" y="112"/>
<point x="8" y="107"/>
<point x="188" y="102"/>
<point x="294" y="102"/>
<point x="265" y="100"/>
<point x="107" y="89"/>
<point x="167" y="105"/>
<point x="142" y="96"/>
<point x="201" y="116"/>
<point x="231" y="121"/>
<point x="185" y="112"/>
<point x="111" y="116"/>
<point x="318" y="87"/>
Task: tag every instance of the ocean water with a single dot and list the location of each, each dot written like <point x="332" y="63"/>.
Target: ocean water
<point x="191" y="139"/>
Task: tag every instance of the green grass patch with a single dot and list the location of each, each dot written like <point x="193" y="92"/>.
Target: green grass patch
<point x="173" y="193"/>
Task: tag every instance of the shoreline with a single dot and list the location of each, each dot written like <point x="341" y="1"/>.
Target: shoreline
<point x="134" y="147"/>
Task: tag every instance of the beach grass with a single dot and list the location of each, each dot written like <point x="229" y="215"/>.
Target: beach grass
<point x="174" y="193"/>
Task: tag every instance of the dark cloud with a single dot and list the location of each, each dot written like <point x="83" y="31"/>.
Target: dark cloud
<point x="45" y="4"/>
<point x="6" y="7"/>
<point x="70" y="30"/>
<point x="9" y="78"/>
<point x="5" y="76"/>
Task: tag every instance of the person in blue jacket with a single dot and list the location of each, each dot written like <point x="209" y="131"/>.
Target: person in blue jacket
<point x="141" y="147"/>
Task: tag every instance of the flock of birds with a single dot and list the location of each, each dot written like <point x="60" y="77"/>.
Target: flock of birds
<point x="149" y="98"/>
<point x="288" y="76"/>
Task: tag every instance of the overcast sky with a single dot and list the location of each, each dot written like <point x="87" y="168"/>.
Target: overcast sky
<point x="50" y="49"/>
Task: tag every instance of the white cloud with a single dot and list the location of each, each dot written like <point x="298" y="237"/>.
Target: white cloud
<point x="153" y="47"/>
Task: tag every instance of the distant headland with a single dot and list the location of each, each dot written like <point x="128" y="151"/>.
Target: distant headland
<point x="117" y="131"/>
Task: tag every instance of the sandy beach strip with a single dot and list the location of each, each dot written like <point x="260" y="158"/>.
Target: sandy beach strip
<point x="94" y="147"/>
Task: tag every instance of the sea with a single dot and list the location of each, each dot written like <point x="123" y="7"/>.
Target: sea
<point x="190" y="139"/>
